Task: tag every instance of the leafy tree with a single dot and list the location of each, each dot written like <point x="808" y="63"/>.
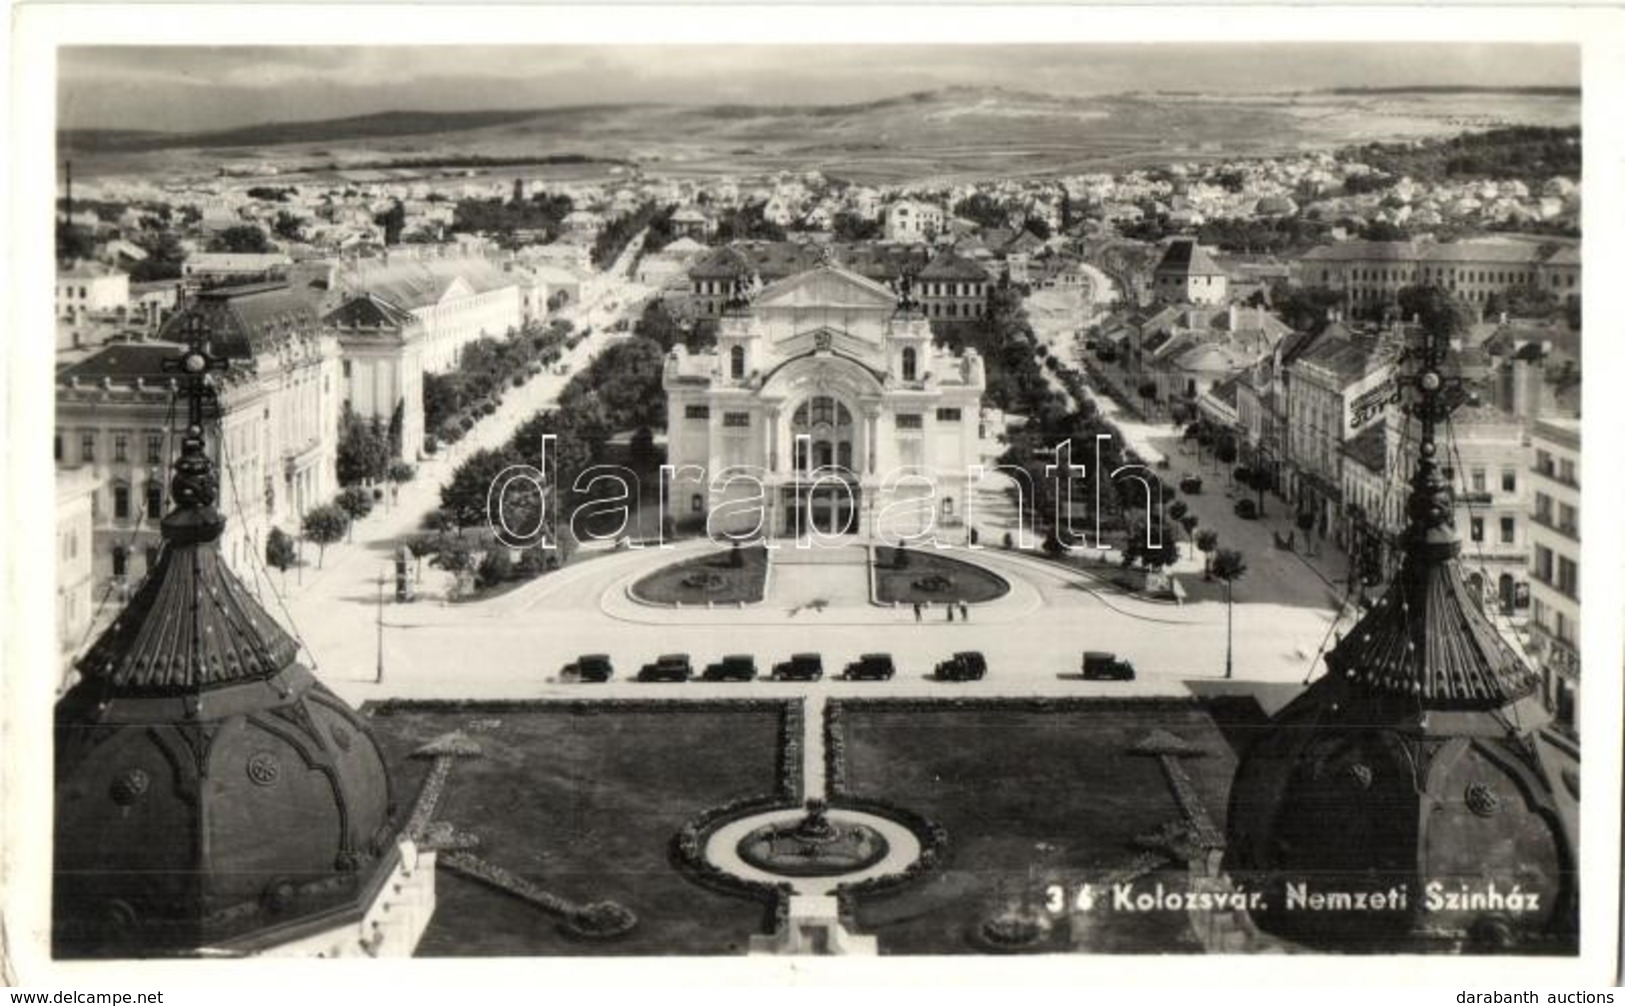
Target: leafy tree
<point x="1531" y="302"/>
<point x="848" y="226"/>
<point x="393" y="221"/>
<point x="402" y="471"/>
<point x="280" y="550"/>
<point x="465" y="497"/>
<point x="981" y="208"/>
<point x="1037" y="227"/>
<point x="1229" y="565"/>
<point x="1161" y="555"/>
<point x="163" y="261"/>
<point x="1382" y="230"/>
<point x="1226" y="451"/>
<point x="356" y="503"/>
<point x="325" y="525"/>
<point x="657" y="325"/>
<point x="495" y="568"/>
<point x="241" y="239"/>
<point x="363" y="451"/>
<point x="1305" y="308"/>
<point x="1148" y="394"/>
<point x="1188" y="523"/>
<point x="1207" y="540"/>
<point x="73" y="243"/>
<point x="454" y="555"/>
<point x="1178" y="509"/>
<point x="289" y="226"/>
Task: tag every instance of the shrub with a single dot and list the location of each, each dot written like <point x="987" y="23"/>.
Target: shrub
<point x="280" y="551"/>
<point x="497" y="567"/>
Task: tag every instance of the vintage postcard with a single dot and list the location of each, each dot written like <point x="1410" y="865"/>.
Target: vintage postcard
<point x="1031" y="490"/>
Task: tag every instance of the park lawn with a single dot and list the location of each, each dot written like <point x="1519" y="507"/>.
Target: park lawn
<point x="1030" y="797"/>
<point x="971" y="584"/>
<point x="583" y="800"/>
<point x="744" y="584"/>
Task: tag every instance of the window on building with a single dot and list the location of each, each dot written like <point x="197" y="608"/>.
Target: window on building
<point x="1565" y="471"/>
<point x="58" y="448"/>
<point x="696" y="412"/>
<point x="1543" y="564"/>
<point x="1568" y="576"/>
<point x="910" y="421"/>
<point x="152" y="557"/>
<point x="910" y="363"/>
<point x="155" y="499"/>
<point x="1477" y="531"/>
<point x="121" y="560"/>
<point x="121" y="502"/>
<point x="947" y="506"/>
<point x="1475" y="480"/>
<point x="948" y="415"/>
<point x="121" y="447"/>
<point x="1568" y="518"/>
<point x="1543" y="462"/>
<point x="155" y="448"/>
<point x="1509" y="530"/>
<point x="1563" y="627"/>
<point x="1509" y="480"/>
<point x="736" y="362"/>
<point x="696" y="503"/>
<point x="735" y="419"/>
<point x="1543" y="508"/>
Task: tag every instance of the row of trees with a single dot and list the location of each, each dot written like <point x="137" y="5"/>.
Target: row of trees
<point x="453" y="399"/>
<point x="541" y="217"/>
<point x="614" y="236"/>
<point x="330" y="522"/>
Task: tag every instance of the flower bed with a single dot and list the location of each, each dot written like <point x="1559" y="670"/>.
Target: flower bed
<point x="930" y="576"/>
<point x="708" y="579"/>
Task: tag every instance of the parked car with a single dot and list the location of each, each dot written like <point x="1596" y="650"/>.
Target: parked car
<point x="667" y="667"/>
<point x="590" y="667"/>
<point x="734" y="667"/>
<point x="1101" y="666"/>
<point x="800" y="667"/>
<point x="967" y="665"/>
<point x="1246" y="509"/>
<point x="1190" y="485"/>
<point x="870" y="667"/>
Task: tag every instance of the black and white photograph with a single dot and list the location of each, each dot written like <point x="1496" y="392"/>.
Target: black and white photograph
<point x="731" y="496"/>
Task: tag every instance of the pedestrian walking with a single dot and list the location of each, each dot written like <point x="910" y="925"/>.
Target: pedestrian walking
<point x="916" y="611"/>
<point x="950" y="611"/>
<point x="964" y="612"/>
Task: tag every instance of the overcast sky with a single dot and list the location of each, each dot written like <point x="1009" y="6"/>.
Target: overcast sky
<point x="186" y="88"/>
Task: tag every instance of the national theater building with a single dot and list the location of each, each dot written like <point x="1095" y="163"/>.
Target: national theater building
<point x="826" y="390"/>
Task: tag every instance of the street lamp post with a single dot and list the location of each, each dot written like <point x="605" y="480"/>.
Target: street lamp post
<point x="379" y="678"/>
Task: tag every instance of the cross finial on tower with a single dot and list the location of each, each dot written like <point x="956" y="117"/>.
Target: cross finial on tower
<point x="195" y="365"/>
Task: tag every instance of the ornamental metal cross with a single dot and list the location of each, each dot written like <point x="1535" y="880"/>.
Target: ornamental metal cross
<point x="194" y="366"/>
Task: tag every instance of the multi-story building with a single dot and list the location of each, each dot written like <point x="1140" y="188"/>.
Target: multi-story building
<point x="910" y="221"/>
<point x="212" y="268"/>
<point x="1486" y="450"/>
<point x="1554" y="570"/>
<point x="276" y="445"/>
<point x="75" y="523"/>
<point x="1371" y="273"/>
<point x="952" y="288"/>
<point x="91" y="288"/>
<point x="715" y="278"/>
<point x="1187" y="274"/>
<point x="1336" y="385"/>
<point x="830" y="392"/>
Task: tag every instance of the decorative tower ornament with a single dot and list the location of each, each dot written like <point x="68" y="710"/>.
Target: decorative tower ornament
<point x="1411" y="798"/>
<point x="211" y="794"/>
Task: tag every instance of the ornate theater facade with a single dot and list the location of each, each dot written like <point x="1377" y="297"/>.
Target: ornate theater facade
<point x="824" y="409"/>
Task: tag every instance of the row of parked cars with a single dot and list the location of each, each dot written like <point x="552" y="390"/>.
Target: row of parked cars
<point x="966" y="665"/>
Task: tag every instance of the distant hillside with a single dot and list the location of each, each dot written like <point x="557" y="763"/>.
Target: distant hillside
<point x="940" y="135"/>
<point x="1556" y="92"/>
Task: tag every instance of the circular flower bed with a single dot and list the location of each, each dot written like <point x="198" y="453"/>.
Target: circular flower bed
<point x="815" y="846"/>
